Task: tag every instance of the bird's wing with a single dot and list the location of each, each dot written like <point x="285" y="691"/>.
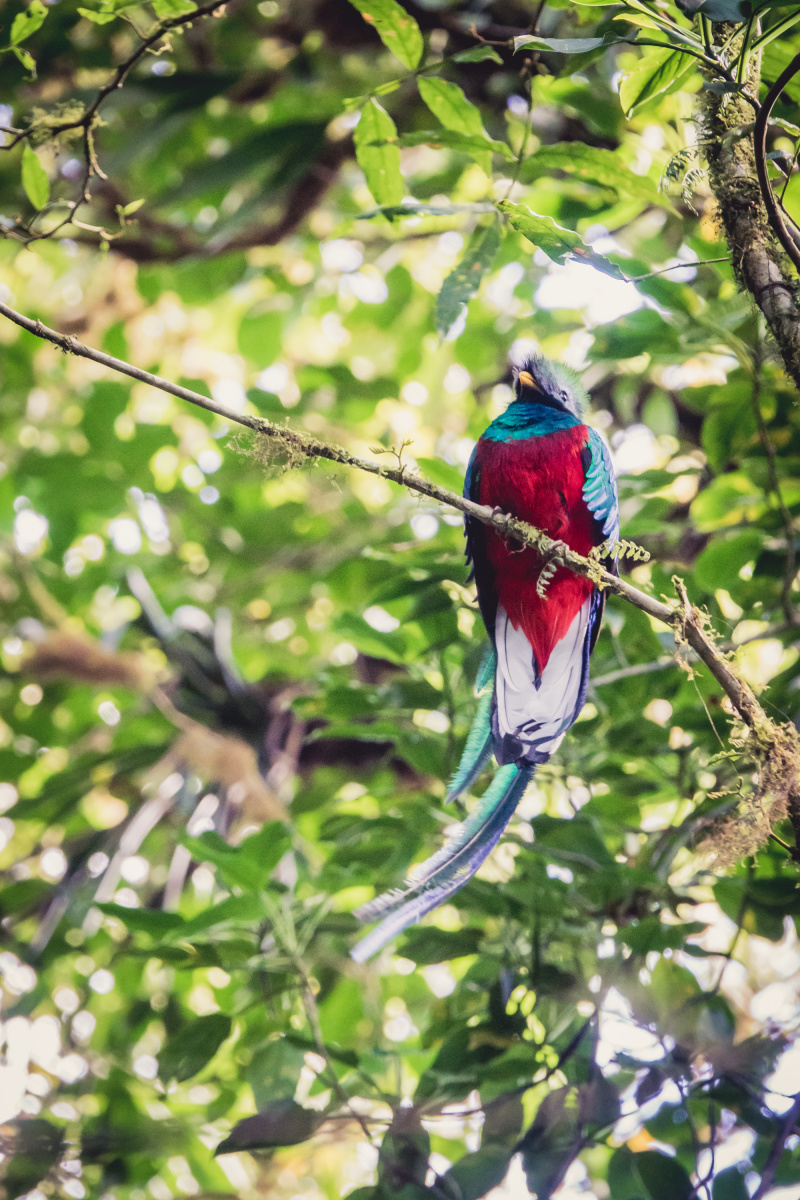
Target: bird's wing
<point x="477" y="556"/>
<point x="600" y="487"/>
<point x="600" y="495"/>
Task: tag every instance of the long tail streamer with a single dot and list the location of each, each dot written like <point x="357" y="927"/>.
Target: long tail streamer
<point x="449" y="869"/>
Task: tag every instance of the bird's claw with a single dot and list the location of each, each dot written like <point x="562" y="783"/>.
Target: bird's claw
<point x="549" y="567"/>
<point x="497" y="511"/>
<point x="558" y="547"/>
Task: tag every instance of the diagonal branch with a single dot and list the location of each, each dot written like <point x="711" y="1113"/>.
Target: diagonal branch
<point x="684" y="619"/>
<point x="87" y="122"/>
<point x="770" y="1168"/>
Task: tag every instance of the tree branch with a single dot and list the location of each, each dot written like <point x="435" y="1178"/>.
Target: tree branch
<point x="685" y="620"/>
<point x="759" y="260"/>
<point x="776" y="1150"/>
<point x="774" y="213"/>
<point x="87" y="122"/>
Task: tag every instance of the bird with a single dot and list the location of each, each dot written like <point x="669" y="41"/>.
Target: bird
<point x="541" y="462"/>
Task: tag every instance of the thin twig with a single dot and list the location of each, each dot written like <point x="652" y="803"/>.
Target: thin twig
<point x="775" y="487"/>
<point x="284" y="931"/>
<point x="88" y="120"/>
<point x="669" y="660"/>
<point x="312" y="1012"/>
<point x="729" y="953"/>
<point x="776" y="1150"/>
<point x="702" y="262"/>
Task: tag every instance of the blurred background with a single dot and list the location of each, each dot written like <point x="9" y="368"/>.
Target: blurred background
<point x="234" y="689"/>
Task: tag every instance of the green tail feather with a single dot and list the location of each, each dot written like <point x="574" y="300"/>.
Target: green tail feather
<point x="478" y="749"/>
<point x="476" y="752"/>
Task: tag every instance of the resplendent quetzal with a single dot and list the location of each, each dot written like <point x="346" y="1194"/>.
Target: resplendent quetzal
<point x="541" y="463"/>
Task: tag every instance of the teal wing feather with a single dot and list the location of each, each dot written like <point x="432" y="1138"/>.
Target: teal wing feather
<point x="600" y="488"/>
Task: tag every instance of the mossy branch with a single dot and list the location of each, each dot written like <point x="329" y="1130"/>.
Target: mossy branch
<point x="760" y="262"/>
<point x="298" y="446"/>
<point x="775" y="748"/>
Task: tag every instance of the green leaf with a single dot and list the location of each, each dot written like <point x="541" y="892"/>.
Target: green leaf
<point x="164" y="9"/>
<point x="274" y="1071"/>
<point x="244" y="910"/>
<point x="427" y="944"/>
<point x="34" y="178"/>
<point x="556" y="241"/>
<point x="26" y="23"/>
<point x="260" y="336"/>
<point x="653" y="75"/>
<point x="599" y="1102"/>
<point x="728" y="500"/>
<point x="650" y="933"/>
<point x="727" y="431"/>
<point x="530" y="41"/>
<point x="466" y="143"/>
<point x="720" y="563"/>
<point x="27" y="60"/>
<point x="590" y="164"/>
<point x="443" y="473"/>
<point x="729" y="1185"/>
<point x="574" y="841"/>
<point x="664" y="1177"/>
<point x="550" y="1142"/>
<point x="398" y="31"/>
<point x="478" y="54"/>
<point x="476" y="1174"/>
<point x="144" y="920"/>
<point x="447" y="102"/>
<point x="247" y="865"/>
<point x="281" y="1123"/>
<point x="392" y="646"/>
<point x="378" y="154"/>
<point x="717" y="10"/>
<point x="464" y="280"/>
<point x="98" y="18"/>
<point x="189" y="1050"/>
<point x="133" y="207"/>
<point x="641" y="332"/>
<point x="22" y="895"/>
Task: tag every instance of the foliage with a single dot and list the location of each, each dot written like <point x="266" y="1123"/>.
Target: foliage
<point x="232" y="697"/>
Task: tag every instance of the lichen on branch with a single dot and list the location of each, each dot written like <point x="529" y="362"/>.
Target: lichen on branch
<point x="760" y="263"/>
<point x="776" y="756"/>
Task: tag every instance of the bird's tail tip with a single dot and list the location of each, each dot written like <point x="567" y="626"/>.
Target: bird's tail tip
<point x="442" y="875"/>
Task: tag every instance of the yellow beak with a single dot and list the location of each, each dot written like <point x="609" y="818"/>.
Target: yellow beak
<point x="527" y="380"/>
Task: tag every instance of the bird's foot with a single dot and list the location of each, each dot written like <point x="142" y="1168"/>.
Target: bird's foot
<point x="502" y="524"/>
<point x="549" y="567"/>
<point x="558" y="547"/>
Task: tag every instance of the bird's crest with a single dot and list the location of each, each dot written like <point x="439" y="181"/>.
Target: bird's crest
<point x="551" y="383"/>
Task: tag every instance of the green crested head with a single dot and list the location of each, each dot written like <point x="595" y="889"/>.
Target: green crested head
<point x="542" y="381"/>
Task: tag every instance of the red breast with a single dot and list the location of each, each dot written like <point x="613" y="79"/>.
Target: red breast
<point x="539" y="480"/>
